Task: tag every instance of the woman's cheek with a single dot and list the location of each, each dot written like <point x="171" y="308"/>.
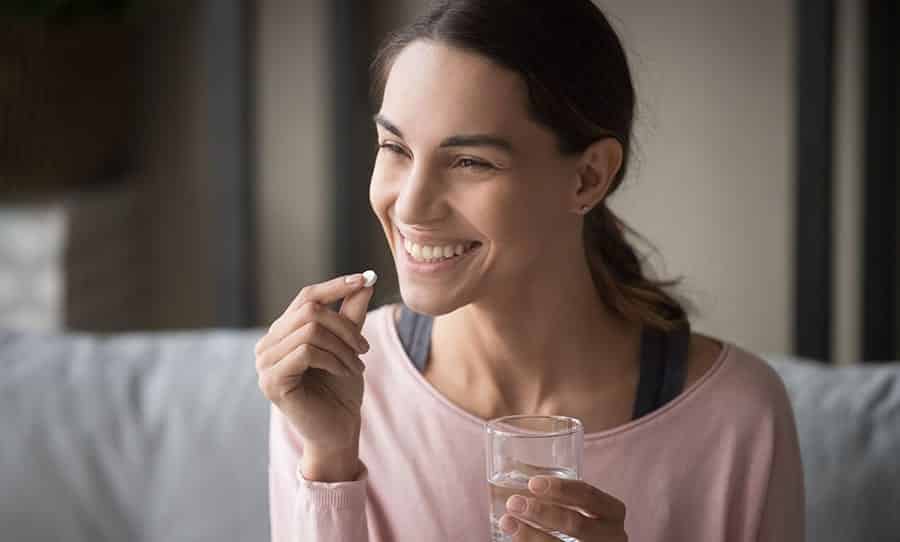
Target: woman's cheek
<point x="504" y="218"/>
<point x="379" y="192"/>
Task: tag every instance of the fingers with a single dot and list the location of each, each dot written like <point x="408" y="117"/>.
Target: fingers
<point x="581" y="495"/>
<point x="356" y="305"/>
<point x="313" y="312"/>
<point x="522" y="532"/>
<point x="552" y="517"/>
<point x="308" y="321"/>
<point x="279" y="380"/>
<point x="303" y="358"/>
<point x="326" y="292"/>
<point x="572" y="507"/>
<point x="315" y="334"/>
<point x="310" y="299"/>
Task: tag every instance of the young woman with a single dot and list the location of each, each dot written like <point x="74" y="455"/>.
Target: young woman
<point x="503" y="127"/>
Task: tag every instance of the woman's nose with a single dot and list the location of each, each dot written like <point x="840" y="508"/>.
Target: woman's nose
<point x="419" y="198"/>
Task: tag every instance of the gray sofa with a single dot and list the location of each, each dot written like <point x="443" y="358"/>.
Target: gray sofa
<point x="163" y="437"/>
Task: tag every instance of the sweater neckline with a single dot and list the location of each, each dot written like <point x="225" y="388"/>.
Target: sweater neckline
<point x="667" y="410"/>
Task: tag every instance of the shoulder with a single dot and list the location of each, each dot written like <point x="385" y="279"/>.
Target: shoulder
<point x="742" y="382"/>
<point x="703" y="353"/>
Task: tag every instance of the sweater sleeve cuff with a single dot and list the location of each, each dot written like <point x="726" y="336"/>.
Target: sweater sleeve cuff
<point x="348" y="494"/>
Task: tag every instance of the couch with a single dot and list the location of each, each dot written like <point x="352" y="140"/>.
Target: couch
<point x="162" y="436"/>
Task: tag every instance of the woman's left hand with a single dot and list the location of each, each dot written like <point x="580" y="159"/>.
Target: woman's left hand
<point x="571" y="507"/>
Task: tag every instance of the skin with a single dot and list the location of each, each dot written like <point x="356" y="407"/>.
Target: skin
<point x="500" y="314"/>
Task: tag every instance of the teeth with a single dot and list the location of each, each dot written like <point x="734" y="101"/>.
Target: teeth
<point x="426" y="253"/>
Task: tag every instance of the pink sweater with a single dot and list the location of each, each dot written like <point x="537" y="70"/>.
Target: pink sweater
<point x="720" y="462"/>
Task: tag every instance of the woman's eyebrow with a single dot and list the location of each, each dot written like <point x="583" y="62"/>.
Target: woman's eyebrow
<point x="470" y="140"/>
<point x="387" y="125"/>
<point x="478" y="140"/>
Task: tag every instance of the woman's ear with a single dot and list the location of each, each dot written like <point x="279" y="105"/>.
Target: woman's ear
<point x="597" y="168"/>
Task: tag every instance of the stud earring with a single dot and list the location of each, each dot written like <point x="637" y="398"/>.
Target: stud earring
<point x="584" y="209"/>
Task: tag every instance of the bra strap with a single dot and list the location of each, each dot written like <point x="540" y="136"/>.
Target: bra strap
<point x="676" y="360"/>
<point x="652" y="371"/>
<point x="415" y="334"/>
<point x="663" y="360"/>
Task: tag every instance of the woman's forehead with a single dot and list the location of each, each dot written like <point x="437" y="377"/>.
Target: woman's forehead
<point x="431" y="83"/>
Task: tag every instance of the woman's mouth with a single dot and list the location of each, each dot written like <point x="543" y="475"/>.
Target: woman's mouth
<point x="435" y="257"/>
<point x="437" y="253"/>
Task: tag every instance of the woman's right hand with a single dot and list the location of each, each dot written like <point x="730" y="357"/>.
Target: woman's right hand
<point x="308" y="364"/>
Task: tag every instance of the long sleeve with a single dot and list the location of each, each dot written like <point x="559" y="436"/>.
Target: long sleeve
<point x="301" y="510"/>
<point x="784" y="513"/>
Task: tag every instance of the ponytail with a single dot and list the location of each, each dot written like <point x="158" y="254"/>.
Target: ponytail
<point x="619" y="277"/>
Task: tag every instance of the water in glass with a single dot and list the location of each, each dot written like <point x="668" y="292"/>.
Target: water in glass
<point x="506" y="484"/>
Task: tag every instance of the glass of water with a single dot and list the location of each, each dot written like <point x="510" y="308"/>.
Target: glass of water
<point x="521" y="446"/>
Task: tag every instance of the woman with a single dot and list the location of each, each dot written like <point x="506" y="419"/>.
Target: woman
<point x="503" y="127"/>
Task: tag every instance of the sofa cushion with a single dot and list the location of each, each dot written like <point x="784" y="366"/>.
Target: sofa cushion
<point x="848" y="421"/>
<point x="138" y="436"/>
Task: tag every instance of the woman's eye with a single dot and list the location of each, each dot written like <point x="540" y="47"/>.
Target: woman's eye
<point x="465" y="163"/>
<point x="470" y="163"/>
<point x="391" y="147"/>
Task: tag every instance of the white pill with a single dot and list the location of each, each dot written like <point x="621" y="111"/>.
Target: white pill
<point x="370" y="278"/>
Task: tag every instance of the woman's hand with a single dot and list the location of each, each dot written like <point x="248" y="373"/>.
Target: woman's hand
<point x="309" y="367"/>
<point x="571" y="507"/>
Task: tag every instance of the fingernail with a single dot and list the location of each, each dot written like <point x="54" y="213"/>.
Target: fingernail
<point x="539" y="485"/>
<point x="509" y="525"/>
<point x="356" y="279"/>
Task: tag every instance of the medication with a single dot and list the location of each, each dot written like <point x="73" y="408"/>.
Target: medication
<point x="370" y="277"/>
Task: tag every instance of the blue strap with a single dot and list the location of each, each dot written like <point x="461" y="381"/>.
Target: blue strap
<point x="415" y="334"/>
<point x="663" y="357"/>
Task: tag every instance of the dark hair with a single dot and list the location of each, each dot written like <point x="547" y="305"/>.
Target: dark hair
<point x="580" y="87"/>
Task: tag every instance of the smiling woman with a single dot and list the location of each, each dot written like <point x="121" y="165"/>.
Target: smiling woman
<point x="546" y="89"/>
<point x="503" y="127"/>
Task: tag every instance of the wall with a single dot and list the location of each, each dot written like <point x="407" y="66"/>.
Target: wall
<point x="848" y="183"/>
<point x="172" y="167"/>
<point x="293" y="157"/>
<point x="712" y="181"/>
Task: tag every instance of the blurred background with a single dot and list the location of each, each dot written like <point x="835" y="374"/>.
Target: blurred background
<point x="181" y="165"/>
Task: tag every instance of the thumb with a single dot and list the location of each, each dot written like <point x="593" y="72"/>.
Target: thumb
<point x="356" y="305"/>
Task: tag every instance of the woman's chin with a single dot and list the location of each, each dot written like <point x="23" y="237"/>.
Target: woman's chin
<point x="429" y="300"/>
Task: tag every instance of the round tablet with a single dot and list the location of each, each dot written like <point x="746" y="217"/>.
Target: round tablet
<point x="370" y="277"/>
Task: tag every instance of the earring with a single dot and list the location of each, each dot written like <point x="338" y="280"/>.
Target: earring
<point x="584" y="209"/>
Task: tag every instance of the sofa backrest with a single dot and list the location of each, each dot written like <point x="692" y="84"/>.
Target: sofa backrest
<point x="848" y="421"/>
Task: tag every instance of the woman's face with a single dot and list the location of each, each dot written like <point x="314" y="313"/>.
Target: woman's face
<point x="460" y="162"/>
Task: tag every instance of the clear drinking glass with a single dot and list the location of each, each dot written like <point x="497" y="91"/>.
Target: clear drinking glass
<point x="521" y="446"/>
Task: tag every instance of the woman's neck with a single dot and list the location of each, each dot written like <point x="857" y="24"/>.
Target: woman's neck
<point x="535" y="350"/>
